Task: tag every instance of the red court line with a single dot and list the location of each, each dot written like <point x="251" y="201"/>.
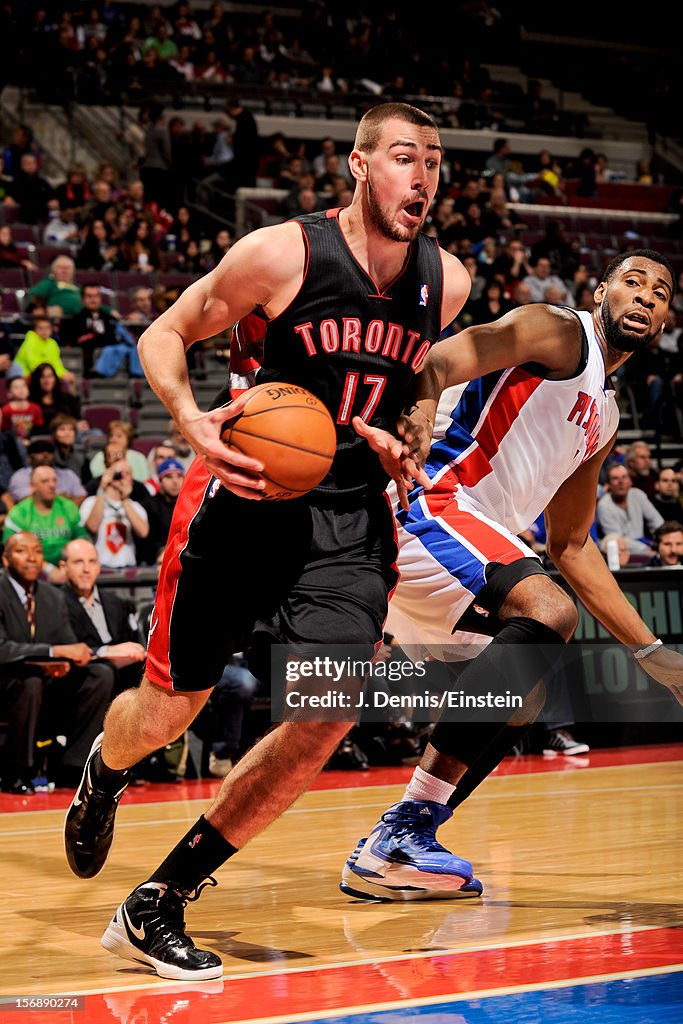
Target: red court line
<point x="204" y="789"/>
<point x="438" y="976"/>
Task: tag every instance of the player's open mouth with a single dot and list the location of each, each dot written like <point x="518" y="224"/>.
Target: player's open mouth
<point x="415" y="209"/>
<point x="636" y="321"/>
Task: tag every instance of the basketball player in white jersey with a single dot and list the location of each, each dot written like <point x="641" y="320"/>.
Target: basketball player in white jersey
<point x="529" y="433"/>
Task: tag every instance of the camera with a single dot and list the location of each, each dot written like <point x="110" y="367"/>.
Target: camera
<point x="118" y="475"/>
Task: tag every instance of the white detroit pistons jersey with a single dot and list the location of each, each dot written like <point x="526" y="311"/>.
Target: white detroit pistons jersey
<point x="503" y="446"/>
<point x="507" y="441"/>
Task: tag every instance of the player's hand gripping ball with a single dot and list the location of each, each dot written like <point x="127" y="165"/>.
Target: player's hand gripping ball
<point x="291" y="432"/>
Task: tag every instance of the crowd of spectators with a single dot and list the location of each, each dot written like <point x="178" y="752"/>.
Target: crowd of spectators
<point x="108" y="52"/>
<point x="93" y="259"/>
<point x="66" y="647"/>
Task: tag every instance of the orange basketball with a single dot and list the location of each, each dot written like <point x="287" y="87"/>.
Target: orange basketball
<point x="291" y="432"/>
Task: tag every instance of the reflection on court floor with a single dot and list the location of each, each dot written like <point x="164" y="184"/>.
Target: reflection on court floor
<point x="581" y="917"/>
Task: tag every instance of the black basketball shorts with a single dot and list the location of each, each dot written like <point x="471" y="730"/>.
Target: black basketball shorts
<point x="320" y="571"/>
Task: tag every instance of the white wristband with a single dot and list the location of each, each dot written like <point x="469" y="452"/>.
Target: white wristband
<point x="645" y="652"/>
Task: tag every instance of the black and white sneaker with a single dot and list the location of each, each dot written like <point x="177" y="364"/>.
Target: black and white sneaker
<point x="561" y="741"/>
<point x="149" y="928"/>
<point x="89" y="823"/>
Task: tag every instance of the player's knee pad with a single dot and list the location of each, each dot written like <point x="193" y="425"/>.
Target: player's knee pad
<point x="502" y="578"/>
<point x="520" y="657"/>
<point x="521" y="629"/>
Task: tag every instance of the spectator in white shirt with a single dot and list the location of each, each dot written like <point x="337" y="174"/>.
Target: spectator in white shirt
<point x="541" y="277"/>
<point x="113" y="519"/>
<point x="627" y="511"/>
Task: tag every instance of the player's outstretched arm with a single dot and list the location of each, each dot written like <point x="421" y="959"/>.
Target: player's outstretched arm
<point x="536" y="333"/>
<point x="263" y="269"/>
<point x="395" y="458"/>
<point x="569" y="517"/>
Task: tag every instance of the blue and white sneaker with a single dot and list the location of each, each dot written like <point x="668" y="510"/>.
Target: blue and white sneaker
<point x="402" y="860"/>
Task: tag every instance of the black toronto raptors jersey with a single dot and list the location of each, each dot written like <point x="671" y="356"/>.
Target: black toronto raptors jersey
<point x="354" y="347"/>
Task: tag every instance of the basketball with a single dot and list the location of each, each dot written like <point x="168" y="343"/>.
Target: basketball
<point x="291" y="432"/>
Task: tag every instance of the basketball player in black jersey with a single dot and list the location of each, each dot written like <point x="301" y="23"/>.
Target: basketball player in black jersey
<point x="353" y="300"/>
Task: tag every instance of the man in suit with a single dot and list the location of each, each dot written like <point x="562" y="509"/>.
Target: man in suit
<point x="100" y="618"/>
<point x="70" y="693"/>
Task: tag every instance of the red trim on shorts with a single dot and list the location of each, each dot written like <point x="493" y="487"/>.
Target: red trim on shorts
<point x="190" y="500"/>
<point x="495" y="546"/>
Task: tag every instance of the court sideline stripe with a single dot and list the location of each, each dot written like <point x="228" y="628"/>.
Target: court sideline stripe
<point x="398" y="957"/>
<point x="564" y="768"/>
<point x="457" y="997"/>
<point x="345" y="807"/>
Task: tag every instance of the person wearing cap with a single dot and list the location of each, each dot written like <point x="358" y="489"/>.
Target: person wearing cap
<point x="158" y="454"/>
<point x="42" y="453"/>
<point x="171" y="475"/>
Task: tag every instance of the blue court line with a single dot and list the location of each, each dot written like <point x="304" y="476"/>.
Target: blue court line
<point x="649" y="1000"/>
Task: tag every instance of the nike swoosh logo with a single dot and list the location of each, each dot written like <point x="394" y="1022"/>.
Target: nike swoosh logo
<point x="88" y="787"/>
<point x="139" y="933"/>
<point x="152" y="628"/>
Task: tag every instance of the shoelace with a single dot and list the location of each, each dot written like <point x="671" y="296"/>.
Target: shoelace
<point x="190" y="896"/>
<point x="171" y="904"/>
<point x="403" y="826"/>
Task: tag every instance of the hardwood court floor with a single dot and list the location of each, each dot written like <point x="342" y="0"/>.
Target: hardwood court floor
<point x="581" y="859"/>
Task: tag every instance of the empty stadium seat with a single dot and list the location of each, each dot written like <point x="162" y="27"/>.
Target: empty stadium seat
<point x="129" y="279"/>
<point x="12" y="277"/>
<point x="45" y="254"/>
<point x="590" y="224"/>
<point x="104" y="278"/>
<point x="100" y="416"/>
<point x="72" y="358"/>
<point x="24" y="233"/>
<point x="107" y="391"/>
<point x="10" y="302"/>
<point x="169" y="260"/>
<point x="145" y="444"/>
<point x="534" y="221"/>
<point x="175" y="280"/>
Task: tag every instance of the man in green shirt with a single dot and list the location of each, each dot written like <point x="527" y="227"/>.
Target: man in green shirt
<point x="59" y="291"/>
<point x="39" y="347"/>
<point x="53" y="519"/>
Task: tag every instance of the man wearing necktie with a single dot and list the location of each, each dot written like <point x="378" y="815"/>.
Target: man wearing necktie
<point x="44" y="671"/>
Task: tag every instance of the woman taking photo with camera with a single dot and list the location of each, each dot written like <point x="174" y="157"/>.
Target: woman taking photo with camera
<point x="120" y="433"/>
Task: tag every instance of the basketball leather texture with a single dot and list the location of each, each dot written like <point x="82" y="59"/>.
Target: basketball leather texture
<point x="291" y="432"/>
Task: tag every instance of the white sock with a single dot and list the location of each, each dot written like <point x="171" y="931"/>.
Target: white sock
<point x="424" y="786"/>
